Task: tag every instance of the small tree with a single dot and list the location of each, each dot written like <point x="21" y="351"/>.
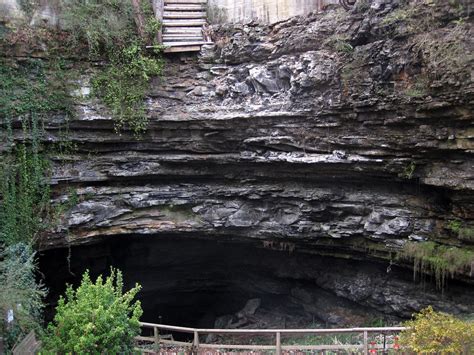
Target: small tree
<point x="96" y="318"/>
<point x="21" y="295"/>
<point x="435" y="332"/>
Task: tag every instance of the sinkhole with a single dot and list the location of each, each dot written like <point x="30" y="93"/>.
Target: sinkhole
<point x="207" y="283"/>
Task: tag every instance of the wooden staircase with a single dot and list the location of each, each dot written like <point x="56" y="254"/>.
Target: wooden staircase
<point x="183" y="24"/>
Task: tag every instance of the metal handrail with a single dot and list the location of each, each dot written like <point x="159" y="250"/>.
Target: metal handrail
<point x="278" y="347"/>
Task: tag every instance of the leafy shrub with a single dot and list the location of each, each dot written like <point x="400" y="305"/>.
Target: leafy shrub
<point x="111" y="32"/>
<point x="123" y="84"/>
<point x="433" y="332"/>
<point x="96" y="318"/>
<point x="104" y="25"/>
<point x="20" y="295"/>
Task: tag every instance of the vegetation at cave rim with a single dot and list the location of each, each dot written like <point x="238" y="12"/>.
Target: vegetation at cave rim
<point x="117" y="32"/>
<point x="97" y="317"/>
<point x="27" y="96"/>
<point x="33" y="89"/>
<point x="439" y="260"/>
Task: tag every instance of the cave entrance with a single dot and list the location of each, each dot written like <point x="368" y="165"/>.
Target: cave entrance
<point x="206" y="283"/>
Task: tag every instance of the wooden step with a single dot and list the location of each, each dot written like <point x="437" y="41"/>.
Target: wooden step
<point x="169" y="2"/>
<point x="176" y="38"/>
<point x="183" y="23"/>
<point x="182" y="49"/>
<point x="184" y="15"/>
<point x="184" y="7"/>
<point x="182" y="30"/>
<point x="176" y="44"/>
<point x="183" y="40"/>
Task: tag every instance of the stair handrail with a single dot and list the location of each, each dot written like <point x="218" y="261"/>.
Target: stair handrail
<point x="277" y="347"/>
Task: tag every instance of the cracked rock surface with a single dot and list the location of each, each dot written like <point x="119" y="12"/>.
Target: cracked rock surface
<point x="333" y="134"/>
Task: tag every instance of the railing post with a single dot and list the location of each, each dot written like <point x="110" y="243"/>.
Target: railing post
<point x="196" y="342"/>
<point x="158" y="8"/>
<point x="366" y="343"/>
<point x="278" y="344"/>
<point x="156" y="334"/>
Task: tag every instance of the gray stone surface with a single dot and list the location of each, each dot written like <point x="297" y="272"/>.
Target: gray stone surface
<point x="273" y="134"/>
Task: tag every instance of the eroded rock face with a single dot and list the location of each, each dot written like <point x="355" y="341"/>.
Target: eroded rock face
<point x="332" y="134"/>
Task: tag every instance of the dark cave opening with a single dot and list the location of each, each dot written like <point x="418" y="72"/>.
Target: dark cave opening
<point x="207" y="283"/>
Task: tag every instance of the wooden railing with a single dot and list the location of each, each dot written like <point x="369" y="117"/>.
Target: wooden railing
<point x="364" y="347"/>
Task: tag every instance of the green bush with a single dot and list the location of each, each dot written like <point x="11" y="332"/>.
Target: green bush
<point x="20" y="295"/>
<point x="123" y="83"/>
<point x="433" y="332"/>
<point x="96" y="318"/>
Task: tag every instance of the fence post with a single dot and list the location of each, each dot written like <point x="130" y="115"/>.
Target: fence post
<point x="366" y="343"/>
<point x="156" y="334"/>
<point x="278" y="344"/>
<point x="196" y="342"/>
<point x="158" y="8"/>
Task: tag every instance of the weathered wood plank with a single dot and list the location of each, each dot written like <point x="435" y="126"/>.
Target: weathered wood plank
<point x="183" y="23"/>
<point x="175" y="44"/>
<point x="184" y="15"/>
<point x="183" y="30"/>
<point x="28" y="345"/>
<point x="168" y="2"/>
<point x="182" y="49"/>
<point x="243" y="347"/>
<point x="184" y="8"/>
<point x="273" y="331"/>
<point x="322" y="347"/>
<point x="183" y="39"/>
<point x="158" y="9"/>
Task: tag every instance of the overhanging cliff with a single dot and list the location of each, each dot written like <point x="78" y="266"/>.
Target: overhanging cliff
<point x="337" y="134"/>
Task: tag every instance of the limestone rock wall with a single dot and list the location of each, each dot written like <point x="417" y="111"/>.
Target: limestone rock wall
<point x="335" y="134"/>
<point x="273" y="134"/>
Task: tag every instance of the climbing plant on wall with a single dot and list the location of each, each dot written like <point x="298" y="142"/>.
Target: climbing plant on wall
<point x="118" y="32"/>
<point x="27" y="95"/>
<point x="29" y="91"/>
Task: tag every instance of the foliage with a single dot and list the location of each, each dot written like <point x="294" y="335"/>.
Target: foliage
<point x="408" y="171"/>
<point x="398" y="15"/>
<point x="446" y="55"/>
<point x="24" y="189"/>
<point x="104" y="25"/>
<point x="20" y="295"/>
<point x="466" y="234"/>
<point x="462" y="231"/>
<point x="27" y="89"/>
<point x="111" y="33"/>
<point x="96" y="318"/>
<point x="439" y="260"/>
<point x="123" y="84"/>
<point x="454" y="225"/>
<point x="433" y="332"/>
<point x="340" y="44"/>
